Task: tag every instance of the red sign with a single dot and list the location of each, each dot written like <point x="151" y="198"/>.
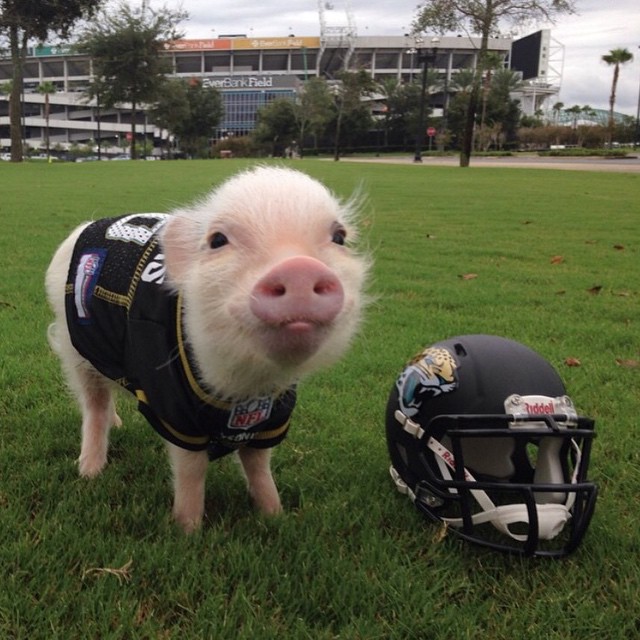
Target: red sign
<point x="431" y="131"/>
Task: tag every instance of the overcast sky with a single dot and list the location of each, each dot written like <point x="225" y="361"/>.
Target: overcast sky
<point x="599" y="27"/>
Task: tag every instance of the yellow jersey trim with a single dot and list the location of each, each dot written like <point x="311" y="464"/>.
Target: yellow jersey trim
<point x="193" y="382"/>
<point x="274" y="433"/>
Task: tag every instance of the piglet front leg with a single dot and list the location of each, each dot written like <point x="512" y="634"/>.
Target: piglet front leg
<point x="189" y="475"/>
<point x="262" y="488"/>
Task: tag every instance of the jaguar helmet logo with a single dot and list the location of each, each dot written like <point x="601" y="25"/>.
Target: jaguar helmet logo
<point x="429" y="374"/>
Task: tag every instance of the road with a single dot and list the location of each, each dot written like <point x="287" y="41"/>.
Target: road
<point x="629" y="164"/>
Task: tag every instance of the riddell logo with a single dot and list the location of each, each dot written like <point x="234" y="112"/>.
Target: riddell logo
<point x="540" y="408"/>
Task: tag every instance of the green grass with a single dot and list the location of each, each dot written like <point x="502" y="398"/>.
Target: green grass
<point x="350" y="558"/>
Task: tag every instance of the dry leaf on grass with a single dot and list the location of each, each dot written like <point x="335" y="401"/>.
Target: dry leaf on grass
<point x="468" y="276"/>
<point x="441" y="533"/>
<point x="123" y="573"/>
<point x="572" y="362"/>
<point x="557" y="260"/>
<point x="629" y="363"/>
<point x="595" y="290"/>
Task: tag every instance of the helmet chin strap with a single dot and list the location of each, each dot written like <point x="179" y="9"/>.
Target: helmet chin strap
<point x="551" y="517"/>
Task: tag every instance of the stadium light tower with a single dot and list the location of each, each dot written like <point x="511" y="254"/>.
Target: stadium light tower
<point x="337" y="35"/>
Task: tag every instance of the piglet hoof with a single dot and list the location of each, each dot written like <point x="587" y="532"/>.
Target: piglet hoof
<point x="91" y="466"/>
<point x="266" y="502"/>
<point x="189" y="523"/>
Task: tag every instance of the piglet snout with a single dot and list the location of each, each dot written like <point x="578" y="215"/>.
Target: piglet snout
<point x="297" y="293"/>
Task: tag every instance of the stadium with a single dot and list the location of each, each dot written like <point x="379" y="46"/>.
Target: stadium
<point x="250" y="72"/>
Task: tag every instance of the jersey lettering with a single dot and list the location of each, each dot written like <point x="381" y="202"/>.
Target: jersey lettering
<point x="138" y="227"/>
<point x="155" y="270"/>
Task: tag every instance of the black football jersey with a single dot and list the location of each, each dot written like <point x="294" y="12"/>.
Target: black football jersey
<point x="129" y="327"/>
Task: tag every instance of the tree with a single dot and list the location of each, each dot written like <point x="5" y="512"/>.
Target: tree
<point x="205" y="111"/>
<point x="462" y="81"/>
<point x="482" y="17"/>
<point x="575" y="111"/>
<point x="402" y="102"/>
<point x="5" y="88"/>
<point x="493" y="61"/>
<point x="557" y="110"/>
<point x="588" y="110"/>
<point x="126" y="46"/>
<point x="501" y="112"/>
<point x="171" y="108"/>
<point x="349" y="109"/>
<point x="389" y="89"/>
<point x="313" y="110"/>
<point x="276" y="124"/>
<point x="461" y="85"/>
<point x="25" y="20"/>
<point x="615" y="58"/>
<point x="46" y="89"/>
<point x="579" y="129"/>
<point x="189" y="111"/>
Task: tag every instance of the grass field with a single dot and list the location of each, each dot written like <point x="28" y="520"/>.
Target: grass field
<point x="551" y="259"/>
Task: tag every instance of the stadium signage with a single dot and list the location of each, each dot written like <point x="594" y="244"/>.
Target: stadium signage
<point x="250" y="82"/>
<point x="242" y="43"/>
<point x="243" y="82"/>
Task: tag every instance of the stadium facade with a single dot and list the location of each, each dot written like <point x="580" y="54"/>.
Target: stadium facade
<point x="249" y="72"/>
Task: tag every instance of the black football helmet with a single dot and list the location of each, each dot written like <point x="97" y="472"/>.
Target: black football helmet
<point x="483" y="438"/>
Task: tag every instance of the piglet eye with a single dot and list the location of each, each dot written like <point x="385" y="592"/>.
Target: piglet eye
<point x="218" y="240"/>
<point x="339" y="235"/>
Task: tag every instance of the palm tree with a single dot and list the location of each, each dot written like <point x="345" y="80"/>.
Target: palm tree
<point x="588" y="110"/>
<point x="388" y="89"/>
<point x="615" y="58"/>
<point x="506" y="81"/>
<point x="557" y="108"/>
<point x="46" y="89"/>
<point x="462" y="81"/>
<point x="575" y="111"/>
<point x="492" y="62"/>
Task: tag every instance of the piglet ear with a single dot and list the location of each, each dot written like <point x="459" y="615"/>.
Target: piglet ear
<point x="180" y="239"/>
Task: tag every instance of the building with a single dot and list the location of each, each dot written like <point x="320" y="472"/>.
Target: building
<point x="249" y="72"/>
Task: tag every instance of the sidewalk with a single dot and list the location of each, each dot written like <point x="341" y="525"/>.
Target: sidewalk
<point x="620" y="165"/>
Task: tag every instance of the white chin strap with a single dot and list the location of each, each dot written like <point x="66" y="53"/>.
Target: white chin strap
<point x="551" y="517"/>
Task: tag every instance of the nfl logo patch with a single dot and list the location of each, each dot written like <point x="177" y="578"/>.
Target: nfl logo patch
<point x="248" y="414"/>
<point x="87" y="274"/>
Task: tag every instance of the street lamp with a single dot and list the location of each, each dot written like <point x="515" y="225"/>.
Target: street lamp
<point x="412" y="52"/>
<point x="98" y="118"/>
<point x="636" y="138"/>
<point x="424" y="57"/>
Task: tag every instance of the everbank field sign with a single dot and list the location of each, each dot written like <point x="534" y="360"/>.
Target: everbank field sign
<point x="238" y="44"/>
<point x="241" y="82"/>
<point x="250" y="82"/>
